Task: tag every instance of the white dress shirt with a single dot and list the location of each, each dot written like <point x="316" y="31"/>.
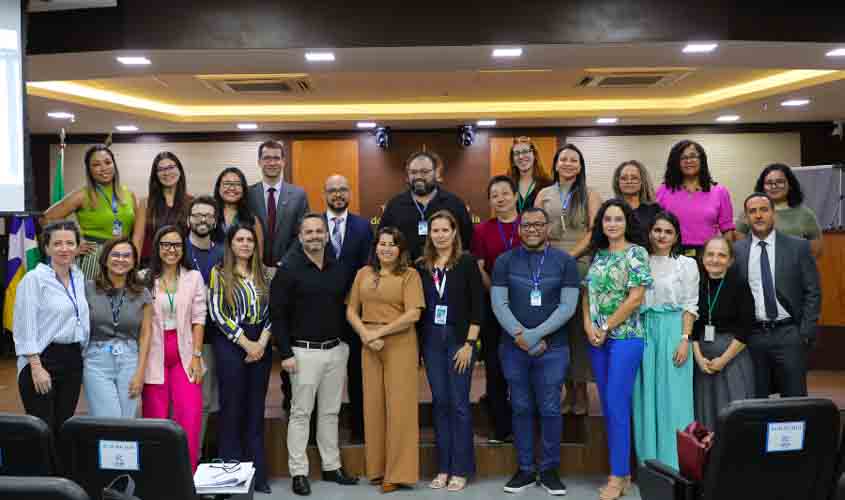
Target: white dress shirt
<point x="755" y="280"/>
<point x="277" y="187"/>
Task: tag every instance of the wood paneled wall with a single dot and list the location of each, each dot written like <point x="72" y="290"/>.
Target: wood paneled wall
<point x="832" y="271"/>
<point x="314" y="160"/>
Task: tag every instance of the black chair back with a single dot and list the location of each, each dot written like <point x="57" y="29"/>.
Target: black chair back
<point x="40" y="488"/>
<point x="26" y="447"/>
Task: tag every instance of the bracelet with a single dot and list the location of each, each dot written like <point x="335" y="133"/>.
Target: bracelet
<point x="197" y="354"/>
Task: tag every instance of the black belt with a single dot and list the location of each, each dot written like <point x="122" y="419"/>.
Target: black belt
<point x="328" y="344"/>
<point x="771" y="325"/>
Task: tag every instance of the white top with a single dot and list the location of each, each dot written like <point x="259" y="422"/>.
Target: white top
<point x="755" y="280"/>
<point x="277" y="187"/>
<point x="675" y="283"/>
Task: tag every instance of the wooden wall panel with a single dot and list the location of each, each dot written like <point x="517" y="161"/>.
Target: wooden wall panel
<point x="314" y="160"/>
<point x="500" y="149"/>
<point x="832" y="271"/>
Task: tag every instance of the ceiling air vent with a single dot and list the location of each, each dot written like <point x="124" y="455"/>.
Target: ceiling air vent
<point x="236" y="84"/>
<point x="634" y="79"/>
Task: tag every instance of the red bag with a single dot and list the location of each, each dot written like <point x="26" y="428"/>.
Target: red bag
<point x="694" y="444"/>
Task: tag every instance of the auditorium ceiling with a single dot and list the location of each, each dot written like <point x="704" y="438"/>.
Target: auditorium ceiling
<point x="434" y="87"/>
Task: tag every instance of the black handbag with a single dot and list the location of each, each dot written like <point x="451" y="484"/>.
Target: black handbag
<point x="121" y="488"/>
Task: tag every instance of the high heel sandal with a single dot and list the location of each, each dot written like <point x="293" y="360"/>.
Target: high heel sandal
<point x="615" y="489"/>
<point x="457" y="483"/>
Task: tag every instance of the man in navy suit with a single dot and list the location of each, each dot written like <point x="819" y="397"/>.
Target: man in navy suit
<point x="351" y="239"/>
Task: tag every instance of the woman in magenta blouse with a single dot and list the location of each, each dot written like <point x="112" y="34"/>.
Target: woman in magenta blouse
<point x="702" y="206"/>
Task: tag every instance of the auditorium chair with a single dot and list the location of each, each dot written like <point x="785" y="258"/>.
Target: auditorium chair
<point x="163" y="465"/>
<point x="40" y="488"/>
<point x="26" y="448"/>
<point x="745" y="462"/>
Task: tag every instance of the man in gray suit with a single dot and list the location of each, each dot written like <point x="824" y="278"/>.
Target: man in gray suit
<point x="782" y="274"/>
<point x="279" y="205"/>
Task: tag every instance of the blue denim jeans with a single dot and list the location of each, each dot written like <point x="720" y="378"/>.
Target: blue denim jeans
<point x="450" y="399"/>
<point x="535" y="383"/>
<point x="108" y="368"/>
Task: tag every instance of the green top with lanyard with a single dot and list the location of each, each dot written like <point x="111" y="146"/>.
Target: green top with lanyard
<point x="110" y="217"/>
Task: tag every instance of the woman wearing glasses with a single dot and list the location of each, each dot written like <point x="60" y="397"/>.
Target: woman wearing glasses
<point x="793" y="217"/>
<point x="174" y="368"/>
<point x="166" y="204"/>
<point x="527" y="172"/>
<point x="230" y="193"/>
<point x="632" y="183"/>
<point x="121" y="314"/>
<point x="702" y="205"/>
<point x="104" y="208"/>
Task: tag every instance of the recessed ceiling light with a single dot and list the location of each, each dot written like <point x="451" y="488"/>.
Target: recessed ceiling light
<point x="507" y="52"/>
<point x="61" y="115"/>
<point x="366" y="124"/>
<point x="319" y="56"/>
<point x="486" y="123"/>
<point x="728" y="118"/>
<point x="133" y="61"/>
<point x="840" y="52"/>
<point x="795" y="102"/>
<point x="247" y="126"/>
<point x="126" y="128"/>
<point x="700" y="48"/>
<point x="607" y="121"/>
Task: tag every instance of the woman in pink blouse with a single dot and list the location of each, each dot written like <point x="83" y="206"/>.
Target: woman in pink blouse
<point x="702" y="206"/>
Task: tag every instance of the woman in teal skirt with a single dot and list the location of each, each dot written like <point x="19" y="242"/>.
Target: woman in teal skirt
<point x="663" y="396"/>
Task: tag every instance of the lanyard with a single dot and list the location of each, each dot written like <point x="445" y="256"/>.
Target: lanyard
<point x="115" y="311"/>
<point x="72" y="298"/>
<point x="113" y="200"/>
<point x="171" y="295"/>
<point x="194" y="256"/>
<point x="520" y="200"/>
<point x="712" y="304"/>
<point x="536" y="275"/>
<point x="420" y="208"/>
<point x="564" y="202"/>
<point x="508" y="243"/>
<point x="439" y="286"/>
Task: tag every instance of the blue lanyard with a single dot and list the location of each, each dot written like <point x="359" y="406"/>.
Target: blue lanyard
<point x="72" y="298"/>
<point x="115" y="311"/>
<point x="193" y="255"/>
<point x="536" y="275"/>
<point x="508" y="243"/>
<point x="564" y="204"/>
<point x="113" y="200"/>
<point x="420" y="208"/>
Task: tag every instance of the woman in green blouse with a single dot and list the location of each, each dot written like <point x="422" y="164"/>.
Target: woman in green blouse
<point x="793" y="217"/>
<point x="616" y="284"/>
<point x="104" y="208"/>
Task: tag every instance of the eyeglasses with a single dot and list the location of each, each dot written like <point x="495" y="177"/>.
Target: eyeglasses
<point x="630" y="180"/>
<point x="778" y="183"/>
<point x="120" y="255"/>
<point x="271" y="158"/>
<point x="200" y="217"/>
<point x="690" y="157"/>
<point x="342" y="190"/>
<point x="228" y="466"/>
<point x="532" y="226"/>
<point x="166" y="169"/>
<point x="170" y="245"/>
<point x="522" y="152"/>
<point x="420" y="173"/>
<point x="231" y="185"/>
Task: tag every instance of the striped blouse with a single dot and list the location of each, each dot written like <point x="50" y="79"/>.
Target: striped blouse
<point x="45" y="312"/>
<point x="247" y="310"/>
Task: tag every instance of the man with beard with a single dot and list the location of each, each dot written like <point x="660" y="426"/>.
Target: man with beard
<point x="307" y="303"/>
<point x="351" y="240"/>
<point x="409" y="211"/>
<point x="203" y="255"/>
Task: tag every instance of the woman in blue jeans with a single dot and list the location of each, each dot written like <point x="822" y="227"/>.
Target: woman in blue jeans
<point x="120" y="311"/>
<point x="616" y="284"/>
<point x="450" y="326"/>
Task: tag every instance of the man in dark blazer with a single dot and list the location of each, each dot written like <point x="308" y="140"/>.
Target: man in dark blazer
<point x="280" y="207"/>
<point x="782" y="274"/>
<point x="351" y="239"/>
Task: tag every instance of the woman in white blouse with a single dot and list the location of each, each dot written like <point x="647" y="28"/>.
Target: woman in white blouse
<point x="663" y="396"/>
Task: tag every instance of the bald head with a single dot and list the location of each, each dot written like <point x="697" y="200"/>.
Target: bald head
<point x="337" y="193"/>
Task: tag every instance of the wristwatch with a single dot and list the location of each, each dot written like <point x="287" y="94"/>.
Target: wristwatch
<point x="197" y="354"/>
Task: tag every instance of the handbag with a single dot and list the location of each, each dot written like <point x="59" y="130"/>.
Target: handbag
<point x="121" y="488"/>
<point x="694" y="443"/>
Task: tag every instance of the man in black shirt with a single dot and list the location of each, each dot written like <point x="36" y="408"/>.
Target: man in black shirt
<point x="409" y="211"/>
<point x="308" y="312"/>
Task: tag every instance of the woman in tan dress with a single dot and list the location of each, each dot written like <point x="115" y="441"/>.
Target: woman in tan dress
<point x="384" y="304"/>
<point x="572" y="206"/>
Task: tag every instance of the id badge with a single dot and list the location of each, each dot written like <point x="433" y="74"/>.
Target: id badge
<point x="440" y="314"/>
<point x="536" y="298"/>
<point x="709" y="333"/>
<point x="422" y="228"/>
<point x="117" y="349"/>
<point x="117" y="229"/>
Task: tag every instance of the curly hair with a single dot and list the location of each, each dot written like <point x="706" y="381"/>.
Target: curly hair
<point x="674" y="178"/>
<point x="633" y="234"/>
<point x="794" y="196"/>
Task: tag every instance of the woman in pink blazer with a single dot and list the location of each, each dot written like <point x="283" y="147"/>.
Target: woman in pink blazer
<point x="174" y="365"/>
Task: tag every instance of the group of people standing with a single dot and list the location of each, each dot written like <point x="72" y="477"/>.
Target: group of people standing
<point x="560" y="288"/>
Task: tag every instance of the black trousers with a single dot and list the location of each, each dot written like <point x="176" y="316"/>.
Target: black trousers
<point x="498" y="406"/>
<point x="780" y="361"/>
<point x="355" y="384"/>
<point x="64" y="364"/>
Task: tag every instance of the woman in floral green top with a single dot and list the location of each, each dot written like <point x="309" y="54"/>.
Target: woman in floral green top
<point x="616" y="284"/>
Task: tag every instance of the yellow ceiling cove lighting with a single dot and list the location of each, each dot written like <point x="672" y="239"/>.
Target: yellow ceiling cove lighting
<point x="85" y="93"/>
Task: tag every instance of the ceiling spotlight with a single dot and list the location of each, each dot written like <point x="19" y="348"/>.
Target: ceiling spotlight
<point x="319" y="56"/>
<point x="607" y="121"/>
<point x="61" y="115"/>
<point x="134" y="61"/>
<point x="383" y="137"/>
<point x="466" y="135"/>
<point x="700" y="48"/>
<point x="837" y="52"/>
<point x="126" y="128"/>
<point x="507" y="52"/>
<point x="728" y="118"/>
<point x="248" y="126"/>
<point x="795" y="102"/>
<point x="486" y="123"/>
<point x="366" y="125"/>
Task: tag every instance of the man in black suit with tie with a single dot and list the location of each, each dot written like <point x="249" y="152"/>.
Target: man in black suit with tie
<point x="782" y="274"/>
<point x="351" y="239"/>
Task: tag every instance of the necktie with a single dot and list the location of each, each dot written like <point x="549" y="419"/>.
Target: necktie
<point x="768" y="283"/>
<point x="337" y="241"/>
<point x="271" y="227"/>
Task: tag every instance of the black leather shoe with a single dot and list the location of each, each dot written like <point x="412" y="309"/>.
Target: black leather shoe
<point x="339" y="476"/>
<point x="301" y="486"/>
<point x="263" y="488"/>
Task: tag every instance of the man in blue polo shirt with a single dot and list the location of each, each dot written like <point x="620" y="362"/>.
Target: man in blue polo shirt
<point x="534" y="293"/>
